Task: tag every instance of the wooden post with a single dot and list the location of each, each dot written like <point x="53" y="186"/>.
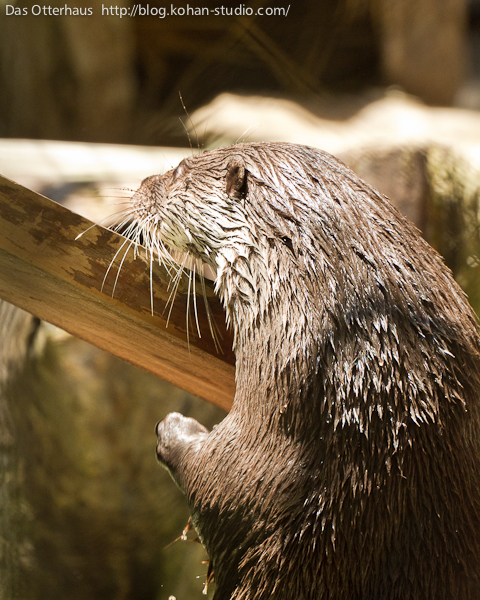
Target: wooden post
<point x="46" y="271"/>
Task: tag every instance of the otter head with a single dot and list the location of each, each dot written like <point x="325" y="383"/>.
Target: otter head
<point x="227" y="210"/>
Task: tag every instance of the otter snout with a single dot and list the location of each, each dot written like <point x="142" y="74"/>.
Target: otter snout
<point x="177" y="434"/>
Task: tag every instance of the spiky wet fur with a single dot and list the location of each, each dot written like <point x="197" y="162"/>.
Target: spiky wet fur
<point x="349" y="465"/>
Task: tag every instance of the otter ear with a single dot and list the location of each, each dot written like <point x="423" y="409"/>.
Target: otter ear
<point x="236" y="178"/>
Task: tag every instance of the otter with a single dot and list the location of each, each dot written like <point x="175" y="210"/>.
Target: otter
<point x="349" y="464"/>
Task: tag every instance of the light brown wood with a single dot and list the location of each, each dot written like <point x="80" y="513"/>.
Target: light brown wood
<point x="45" y="270"/>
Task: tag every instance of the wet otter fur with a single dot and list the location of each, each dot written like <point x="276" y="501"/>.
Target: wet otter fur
<point x="349" y="465"/>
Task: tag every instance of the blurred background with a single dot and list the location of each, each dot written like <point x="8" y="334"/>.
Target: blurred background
<point x="392" y="88"/>
<point x="102" y="78"/>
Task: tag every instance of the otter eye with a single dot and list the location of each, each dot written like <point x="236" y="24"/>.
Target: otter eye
<point x="288" y="243"/>
<point x="179" y="171"/>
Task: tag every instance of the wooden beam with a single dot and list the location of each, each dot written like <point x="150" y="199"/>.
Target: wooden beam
<point x="46" y="271"/>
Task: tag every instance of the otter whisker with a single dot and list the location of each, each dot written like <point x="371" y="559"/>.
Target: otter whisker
<point x="191" y="278"/>
<point x="151" y="280"/>
<point x="188" y="308"/>
<point x="170" y="301"/>
<point x="116" y="214"/>
<point x="164" y="260"/>
<point x="120" y="267"/>
<point x="195" y="298"/>
<point x="178" y="274"/>
<point x="242" y="138"/>
<point x="140" y="235"/>
<point x="215" y="332"/>
<point x="174" y="262"/>
<point x="175" y="283"/>
<point x="102" y="221"/>
<point x="191" y="123"/>
<point x="163" y="255"/>
<point x="187" y="132"/>
<point x="127" y="222"/>
<point x="124" y="200"/>
<point x="133" y="228"/>
<point x="113" y="261"/>
<point x="149" y="228"/>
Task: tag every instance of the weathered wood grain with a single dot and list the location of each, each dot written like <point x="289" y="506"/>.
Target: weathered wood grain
<point x="45" y="270"/>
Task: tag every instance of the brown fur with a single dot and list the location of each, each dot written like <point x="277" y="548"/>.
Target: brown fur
<point x="349" y="465"/>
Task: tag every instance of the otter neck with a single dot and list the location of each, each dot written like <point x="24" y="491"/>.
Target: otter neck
<point x="273" y="343"/>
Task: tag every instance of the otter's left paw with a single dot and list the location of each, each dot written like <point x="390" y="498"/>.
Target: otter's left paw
<point x="176" y="434"/>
